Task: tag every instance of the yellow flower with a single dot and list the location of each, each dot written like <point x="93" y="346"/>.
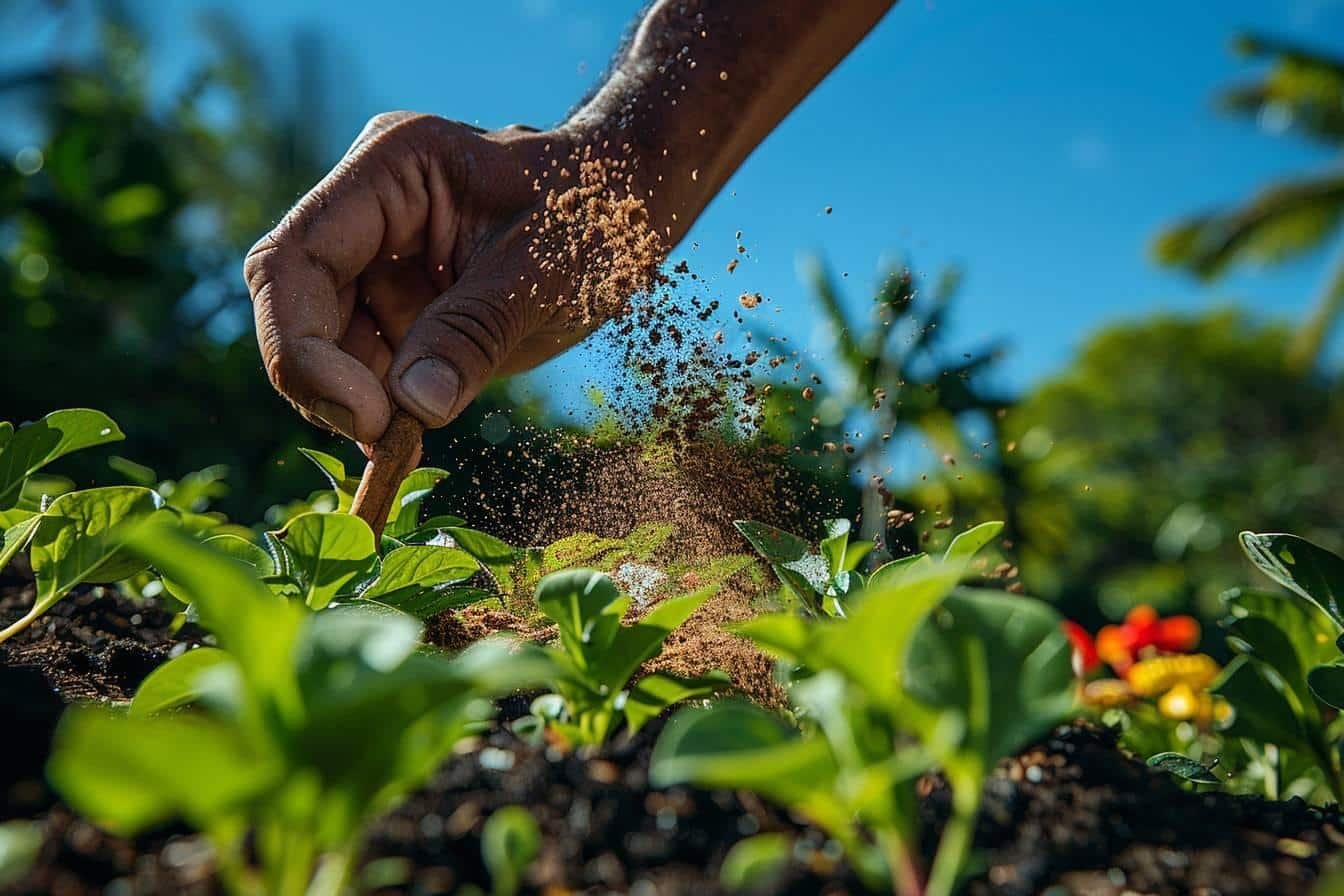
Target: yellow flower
<point x="1183" y="704"/>
<point x="1163" y="674"/>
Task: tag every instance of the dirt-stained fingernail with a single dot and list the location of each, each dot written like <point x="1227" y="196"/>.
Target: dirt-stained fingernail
<point x="431" y="388"/>
<point x="335" y="416"/>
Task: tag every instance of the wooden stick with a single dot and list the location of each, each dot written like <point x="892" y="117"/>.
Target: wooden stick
<point x="393" y="458"/>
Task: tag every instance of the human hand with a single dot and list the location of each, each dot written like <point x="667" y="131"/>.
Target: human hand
<point x="415" y="272"/>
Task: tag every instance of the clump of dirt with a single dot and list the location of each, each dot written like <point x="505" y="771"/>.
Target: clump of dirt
<point x="595" y="234"/>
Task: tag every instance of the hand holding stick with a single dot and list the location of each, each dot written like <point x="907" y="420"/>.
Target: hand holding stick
<point x="393" y="457"/>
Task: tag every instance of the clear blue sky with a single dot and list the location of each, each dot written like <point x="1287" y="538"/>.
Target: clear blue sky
<point x="1039" y="144"/>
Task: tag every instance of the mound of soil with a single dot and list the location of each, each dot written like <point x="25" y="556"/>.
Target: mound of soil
<point x="1072" y="814"/>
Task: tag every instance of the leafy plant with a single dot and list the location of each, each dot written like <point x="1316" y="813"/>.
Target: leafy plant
<point x="915" y="673"/>
<point x="818" y="579"/>
<point x="1289" y="663"/>
<point x="598" y="655"/>
<point x="510" y="842"/>
<point x="293" y="734"/>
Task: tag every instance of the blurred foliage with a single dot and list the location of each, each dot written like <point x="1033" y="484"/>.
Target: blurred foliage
<point x="1141" y="462"/>
<point x="895" y="387"/>
<point x="1301" y="95"/>
<point x="123" y="222"/>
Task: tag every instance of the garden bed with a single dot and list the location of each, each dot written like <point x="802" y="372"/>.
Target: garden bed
<point x="1072" y="814"/>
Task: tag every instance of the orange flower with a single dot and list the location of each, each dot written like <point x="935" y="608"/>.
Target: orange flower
<point x="1120" y="645"/>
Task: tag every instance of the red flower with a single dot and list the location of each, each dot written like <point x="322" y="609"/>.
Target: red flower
<point x="1085" y="659"/>
<point x="1120" y="645"/>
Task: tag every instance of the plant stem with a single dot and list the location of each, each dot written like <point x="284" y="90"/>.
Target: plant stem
<point x="958" y="835"/>
<point x="393" y="456"/>
<point x="28" y="619"/>
<point x="333" y="872"/>
<point x="905" y="876"/>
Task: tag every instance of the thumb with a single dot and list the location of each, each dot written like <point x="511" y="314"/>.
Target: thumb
<point x="454" y="349"/>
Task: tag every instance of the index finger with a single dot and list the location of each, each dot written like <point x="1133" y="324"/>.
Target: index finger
<point x="298" y="273"/>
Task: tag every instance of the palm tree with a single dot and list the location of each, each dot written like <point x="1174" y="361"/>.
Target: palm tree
<point x="1302" y="94"/>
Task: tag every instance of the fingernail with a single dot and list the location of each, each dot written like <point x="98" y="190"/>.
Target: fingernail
<point x="431" y="388"/>
<point x="334" y="415"/>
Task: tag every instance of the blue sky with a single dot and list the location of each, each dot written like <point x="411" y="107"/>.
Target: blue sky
<point x="1039" y="145"/>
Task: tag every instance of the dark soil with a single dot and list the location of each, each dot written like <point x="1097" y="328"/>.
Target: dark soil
<point x="1071" y="815"/>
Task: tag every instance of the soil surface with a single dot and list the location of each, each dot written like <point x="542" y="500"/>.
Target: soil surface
<point x="1072" y="814"/>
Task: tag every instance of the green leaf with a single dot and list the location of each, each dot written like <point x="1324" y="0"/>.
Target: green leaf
<point x="783" y="635"/>
<point x="630" y="646"/>
<point x="1308" y="571"/>
<point x="889" y="575"/>
<point x="1182" y="767"/>
<point x="575" y="599"/>
<point x="1001" y="663"/>
<point x="419" y="567"/>
<point x="29" y="448"/>
<point x="1327" y="683"/>
<point x="792" y="559"/>
<point x="16" y="527"/>
<point x="329" y="552"/>
<point x="756" y="864"/>
<point x="967" y="544"/>
<point x="426" y="603"/>
<point x="493" y="554"/>
<point x="735" y="745"/>
<point x="834" y="544"/>
<point x="655" y="693"/>
<point x="412" y="492"/>
<point x="177" y="682"/>
<point x="343" y="484"/>
<point x="1262" y="712"/>
<point x="127" y="774"/>
<point x="510" y="841"/>
<point x="230" y="600"/>
<point x="80" y="536"/>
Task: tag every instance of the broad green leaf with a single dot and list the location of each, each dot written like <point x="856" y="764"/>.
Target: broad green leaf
<point x="493" y="554"/>
<point x="329" y="552"/>
<point x="177" y="682"/>
<point x="136" y="473"/>
<point x="243" y="551"/>
<point x="426" y="603"/>
<point x="890" y="574"/>
<point x="734" y="745"/>
<point x="1327" y="683"/>
<point x="629" y="646"/>
<point x="655" y="693"/>
<point x="1262" y="712"/>
<point x="756" y="864"/>
<point x="998" y="661"/>
<point x="783" y="635"/>
<point x="773" y="544"/>
<point x="1182" y="767"/>
<point x="1262" y="640"/>
<point x="128" y="774"/>
<point x="967" y="544"/>
<point x="419" y="567"/>
<point x="574" y="599"/>
<point x="804" y="573"/>
<point x="342" y="483"/>
<point x="405" y="515"/>
<point x="29" y="448"/>
<point x="79" y="539"/>
<point x="230" y="600"/>
<point x="510" y="841"/>
<point x="1303" y="568"/>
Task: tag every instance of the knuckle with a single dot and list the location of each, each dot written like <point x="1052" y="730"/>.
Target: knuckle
<point x="260" y="265"/>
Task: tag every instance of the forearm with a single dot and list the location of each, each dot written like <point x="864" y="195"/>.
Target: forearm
<point x="703" y="82"/>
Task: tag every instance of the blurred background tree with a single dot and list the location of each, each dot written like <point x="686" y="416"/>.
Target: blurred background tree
<point x="123" y="222"/>
<point x="895" y="398"/>
<point x="1301" y="95"/>
<point x="1141" y="461"/>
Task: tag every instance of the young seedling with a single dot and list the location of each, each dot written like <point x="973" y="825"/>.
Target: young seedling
<point x="598" y="655"/>
<point x="286" y="741"/>
<point x="818" y="579"/>
<point x="392" y="461"/>
<point x="915" y="675"/>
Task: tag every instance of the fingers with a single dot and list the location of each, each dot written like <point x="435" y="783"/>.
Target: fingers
<point x="373" y="204"/>
<point x="453" y="350"/>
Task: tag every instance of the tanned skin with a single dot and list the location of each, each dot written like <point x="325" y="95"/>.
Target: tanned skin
<point x="404" y="279"/>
